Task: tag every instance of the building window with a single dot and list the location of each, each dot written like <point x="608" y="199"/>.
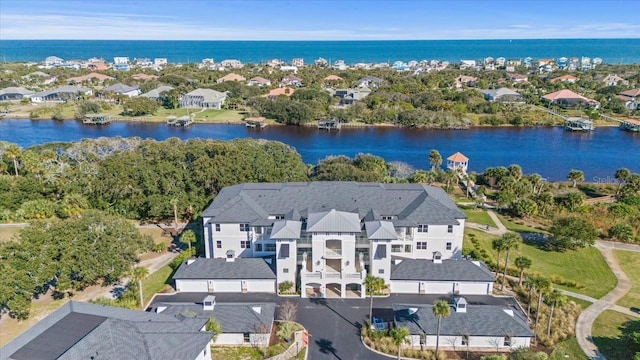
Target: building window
<point x="450" y="229"/>
<point x="386" y="217"/>
<point x="269" y="247"/>
<point x="245" y="244"/>
<point x="244" y="227"/>
<point x="246" y="337"/>
<point x="407" y="248"/>
<point x="465" y="340"/>
<point x="258" y="247"/>
<point x="396" y="248"/>
<point x="507" y="341"/>
<point x="380" y="271"/>
<point x="423" y="228"/>
<point x="217" y="227"/>
<point x="449" y="246"/>
<point x="285" y="270"/>
<point x="421" y="245"/>
<point x="258" y="230"/>
<point x="219" y="244"/>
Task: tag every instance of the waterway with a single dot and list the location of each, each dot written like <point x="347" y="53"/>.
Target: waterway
<point x="549" y="151"/>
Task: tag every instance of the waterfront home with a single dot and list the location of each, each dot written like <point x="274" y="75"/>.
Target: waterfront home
<point x="90" y="78"/>
<point x="247" y="324"/>
<point x="15" y="94"/>
<point x="321" y="62"/>
<point x="370" y="81"/>
<point x="340" y="65"/>
<point x="123" y="89"/>
<point x="231" y="64"/>
<point x="473" y="327"/>
<point x="614" y="80"/>
<point x="349" y="96"/>
<point x="80" y="330"/>
<point x="121" y="63"/>
<point x="285" y="68"/>
<point x="282" y="91"/>
<point x="203" y="99"/>
<point x="160" y="62"/>
<point x="52" y="61"/>
<point x="297" y="62"/>
<point x="275" y="63"/>
<point x="231" y="77"/>
<point x="229" y="274"/>
<point x="326" y="236"/>
<point x="564" y="78"/>
<point x="458" y="162"/>
<point x="61" y="94"/>
<point x="567" y="97"/>
<point x="631" y="99"/>
<point x="156" y="94"/>
<point x="503" y="95"/>
<point x="464" y="80"/>
<point x="467" y="64"/>
<point x="291" y="80"/>
<point x="259" y="81"/>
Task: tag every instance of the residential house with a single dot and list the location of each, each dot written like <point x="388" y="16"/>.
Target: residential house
<point x="614" y="80"/>
<point x="564" y="78"/>
<point x="203" y="99"/>
<point x="518" y="78"/>
<point x="472" y="327"/>
<point x="275" y="63"/>
<point x="90" y="78"/>
<point x="585" y="64"/>
<point x="501" y="62"/>
<point x="349" y="96"/>
<point x="231" y="64"/>
<point x="321" y="62"/>
<point x="144" y="77"/>
<point x="285" y="68"/>
<point x="259" y="82"/>
<point x="467" y="64"/>
<point x="327" y="236"/>
<point x="230" y="274"/>
<point x="562" y="63"/>
<point x="567" y="97"/>
<point x="340" y="65"/>
<point x="61" y="94"/>
<point x="631" y="99"/>
<point x="297" y="62"/>
<point x="208" y="64"/>
<point x="121" y="63"/>
<point x="514" y="62"/>
<point x="282" y="91"/>
<point x="503" y="95"/>
<point x="291" y="80"/>
<point x="160" y="62"/>
<point x="156" y="94"/>
<point x="96" y="64"/>
<point x="80" y="330"/>
<point x="15" y="94"/>
<point x="464" y="80"/>
<point x="123" y="89"/>
<point x="370" y="81"/>
<point x="332" y="79"/>
<point x="231" y="77"/>
<point x="248" y="324"/>
<point x="52" y="61"/>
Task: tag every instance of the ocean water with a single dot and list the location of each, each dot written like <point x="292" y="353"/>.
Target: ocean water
<point x="610" y="50"/>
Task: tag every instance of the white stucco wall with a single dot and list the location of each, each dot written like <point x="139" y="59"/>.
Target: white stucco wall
<point x="191" y="285"/>
<point x="205" y="354"/>
<point x="261" y="286"/>
<point x="487" y="342"/>
<point x="434" y="287"/>
<point x="230" y="339"/>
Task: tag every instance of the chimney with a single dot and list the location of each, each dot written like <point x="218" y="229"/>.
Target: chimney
<point x="209" y="303"/>
<point x="460" y="305"/>
<point x="231" y="256"/>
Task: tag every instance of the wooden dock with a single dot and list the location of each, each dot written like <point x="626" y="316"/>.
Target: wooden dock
<point x="182" y="121"/>
<point x="333" y="124"/>
<point x="96" y="119"/>
<point x="255" y="122"/>
<point x="625" y="124"/>
<point x="578" y="124"/>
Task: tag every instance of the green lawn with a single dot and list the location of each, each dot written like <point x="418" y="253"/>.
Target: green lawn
<point x="568" y="349"/>
<point x="156" y="282"/>
<point x="582" y="303"/>
<point x="586" y="266"/>
<point x="607" y="334"/>
<point x="236" y="353"/>
<point x="510" y="225"/>
<point x="478" y="216"/>
<point x="630" y="262"/>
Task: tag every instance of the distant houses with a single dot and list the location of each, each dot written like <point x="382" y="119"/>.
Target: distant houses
<point x="156" y="94"/>
<point x="464" y="80"/>
<point x="631" y="99"/>
<point x="15" y="94"/>
<point x="281" y="91"/>
<point x="349" y="96"/>
<point x="61" y="94"/>
<point x="564" y="78"/>
<point x="122" y="89"/>
<point x="89" y="78"/>
<point x="231" y="77"/>
<point x="615" y="80"/>
<point x="291" y="80"/>
<point x="203" y="99"/>
<point x="259" y="81"/>
<point x="503" y="95"/>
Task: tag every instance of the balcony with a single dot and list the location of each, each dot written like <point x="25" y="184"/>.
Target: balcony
<point x="332" y="253"/>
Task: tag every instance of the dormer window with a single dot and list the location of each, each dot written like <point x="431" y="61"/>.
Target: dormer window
<point x="244" y="227"/>
<point x="386" y="217"/>
<point x="423" y="228"/>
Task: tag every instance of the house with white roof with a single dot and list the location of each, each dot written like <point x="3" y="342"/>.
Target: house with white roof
<point x="503" y="95"/>
<point x="327" y="236"/>
<point x="61" y="94"/>
<point x="203" y="99"/>
<point x="156" y="94"/>
<point x="123" y="89"/>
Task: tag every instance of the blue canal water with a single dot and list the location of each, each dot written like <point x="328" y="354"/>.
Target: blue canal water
<point x="610" y="50"/>
<point x="549" y="151"/>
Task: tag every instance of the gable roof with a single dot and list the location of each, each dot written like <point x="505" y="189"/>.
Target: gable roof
<point x="448" y="270"/>
<point x="260" y="80"/>
<point x="332" y="78"/>
<point x="281" y="91"/>
<point x="120" y="88"/>
<point x="333" y="221"/>
<point x="16" y="90"/>
<point x="631" y="93"/>
<point x="478" y="320"/>
<point x="239" y="268"/>
<point x="503" y="91"/>
<point x="566" y="77"/>
<point x="209" y="95"/>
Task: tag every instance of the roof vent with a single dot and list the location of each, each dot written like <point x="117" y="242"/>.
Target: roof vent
<point x="508" y="312"/>
<point x="257" y="309"/>
<point x="397" y="261"/>
<point x="209" y="303"/>
<point x="231" y="256"/>
<point x="412" y="310"/>
<point x="160" y="309"/>
<point x="460" y="305"/>
<point x="190" y="261"/>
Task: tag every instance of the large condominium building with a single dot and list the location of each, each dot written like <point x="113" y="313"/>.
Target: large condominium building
<point x="327" y="236"/>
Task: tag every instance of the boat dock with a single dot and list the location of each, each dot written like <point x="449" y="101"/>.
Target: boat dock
<point x="578" y="124"/>
<point x="182" y="121"/>
<point x="255" y="122"/>
<point x="632" y="125"/>
<point x="333" y="124"/>
<point x="96" y="119"/>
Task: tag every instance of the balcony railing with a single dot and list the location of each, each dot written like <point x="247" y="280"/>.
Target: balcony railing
<point x="332" y="253"/>
<point x="330" y="275"/>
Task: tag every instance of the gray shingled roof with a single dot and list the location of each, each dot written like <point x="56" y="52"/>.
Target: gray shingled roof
<point x="380" y="230"/>
<point x="120" y="88"/>
<point x="16" y="90"/>
<point x="333" y="221"/>
<point x="80" y="330"/>
<point x="448" y="270"/>
<point x="286" y="229"/>
<point x="240" y="268"/>
<point x="479" y="320"/>
<point x="208" y="95"/>
<point x="63" y="89"/>
<point x="413" y="203"/>
<point x="233" y="317"/>
<point x="155" y="93"/>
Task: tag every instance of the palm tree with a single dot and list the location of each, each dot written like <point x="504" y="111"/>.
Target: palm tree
<point x="188" y="237"/>
<point x="435" y="159"/>
<point x="511" y="242"/>
<point x="529" y="282"/>
<point x="13" y="152"/>
<point x="543" y="285"/>
<point x="622" y="175"/>
<point x="373" y="284"/>
<point x="470" y="178"/>
<point x="449" y="177"/>
<point x="441" y="309"/>
<point x="522" y="263"/>
<point x="556" y="298"/>
<point x="575" y="176"/>
<point x="138" y="274"/>
<point x="498" y="245"/>
<point x="399" y="336"/>
<point x="174" y="202"/>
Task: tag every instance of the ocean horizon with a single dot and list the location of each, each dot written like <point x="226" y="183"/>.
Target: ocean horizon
<point x="612" y="51"/>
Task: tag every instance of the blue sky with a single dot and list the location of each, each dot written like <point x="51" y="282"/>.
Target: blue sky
<point x="318" y="19"/>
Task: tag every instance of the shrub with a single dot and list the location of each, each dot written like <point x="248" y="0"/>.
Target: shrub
<point x="158" y="247"/>
<point x="285" y="287"/>
<point x="621" y="232"/>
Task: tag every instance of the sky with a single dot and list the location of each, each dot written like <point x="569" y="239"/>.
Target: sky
<point x="318" y="19"/>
